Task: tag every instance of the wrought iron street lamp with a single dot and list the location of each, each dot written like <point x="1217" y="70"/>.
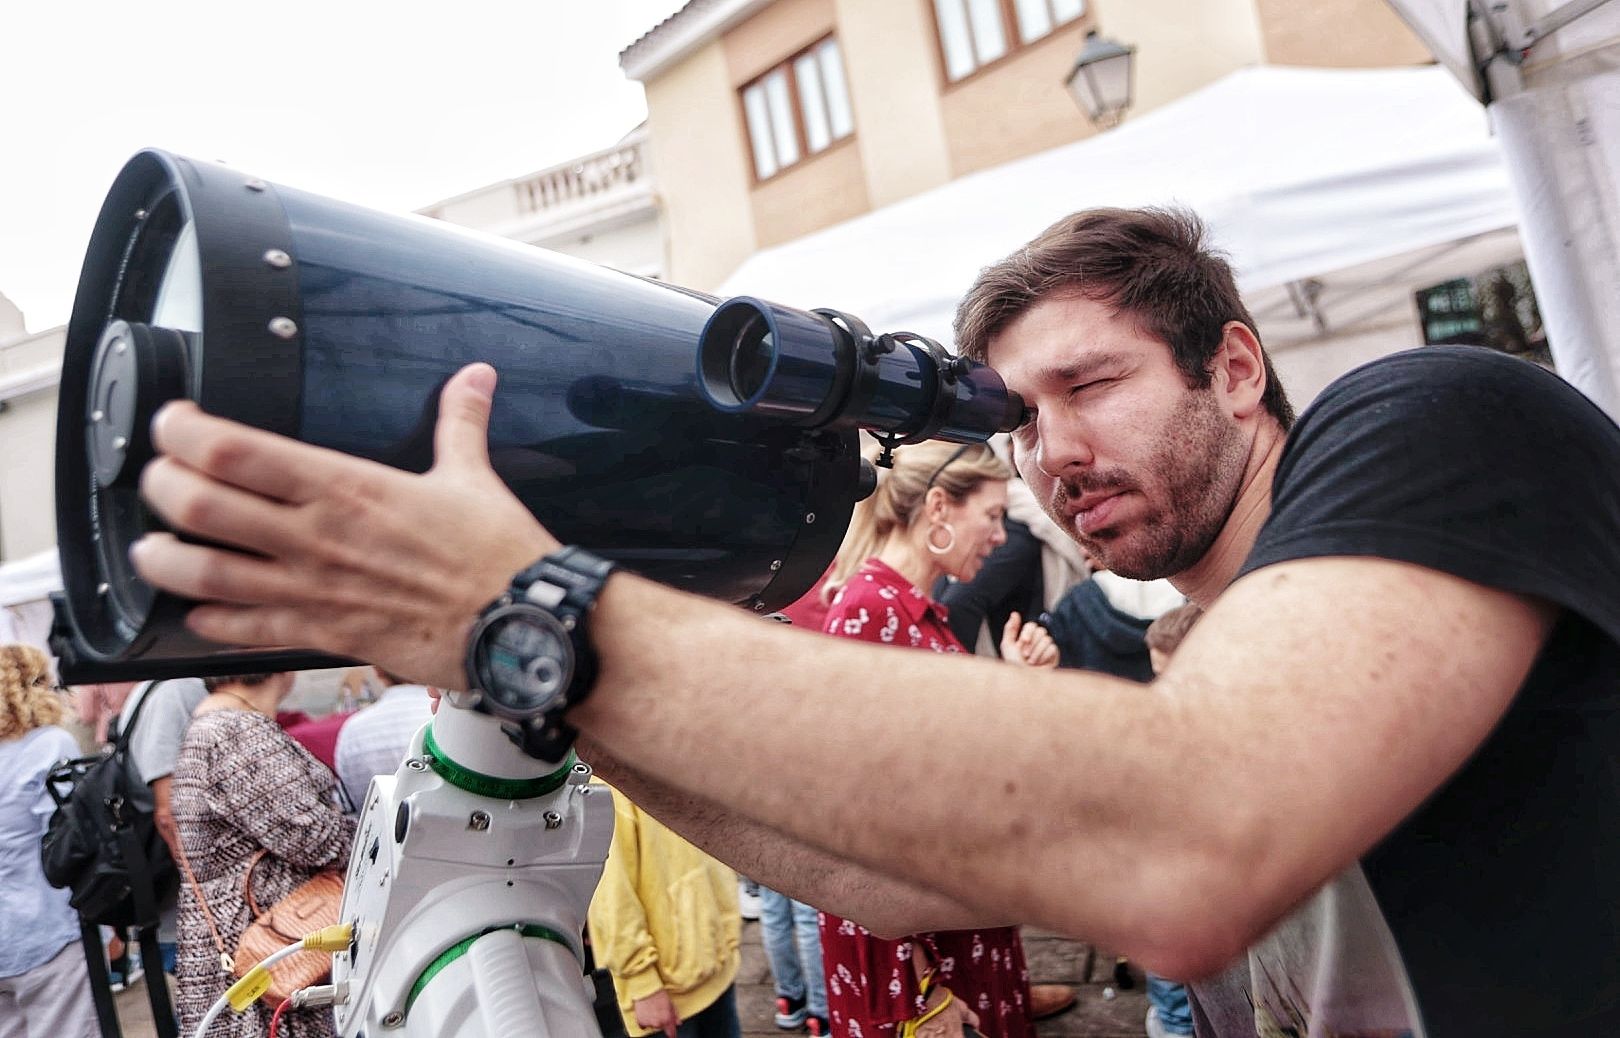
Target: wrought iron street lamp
<point x="1101" y="79"/>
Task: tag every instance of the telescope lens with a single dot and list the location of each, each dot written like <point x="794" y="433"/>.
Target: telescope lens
<point x="752" y="358"/>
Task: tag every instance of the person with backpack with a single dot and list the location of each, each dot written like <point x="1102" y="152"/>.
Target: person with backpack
<point x="154" y="747"/>
<point x="44" y="981"/>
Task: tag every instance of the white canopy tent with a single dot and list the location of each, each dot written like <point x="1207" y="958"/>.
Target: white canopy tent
<point x="25" y="588"/>
<point x="1298" y="172"/>
<point x="1549" y="70"/>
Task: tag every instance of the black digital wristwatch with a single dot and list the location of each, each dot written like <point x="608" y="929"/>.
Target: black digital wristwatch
<point x="529" y="658"/>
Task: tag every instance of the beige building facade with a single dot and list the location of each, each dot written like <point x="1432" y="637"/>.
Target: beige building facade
<point x="30" y="367"/>
<point x="771" y="119"/>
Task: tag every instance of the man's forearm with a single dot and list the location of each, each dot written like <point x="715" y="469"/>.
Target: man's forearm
<point x="881" y="903"/>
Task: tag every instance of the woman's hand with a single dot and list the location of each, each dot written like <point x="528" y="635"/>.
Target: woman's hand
<point x="1027" y="644"/>
<point x="337" y="553"/>
<point x="946" y="1017"/>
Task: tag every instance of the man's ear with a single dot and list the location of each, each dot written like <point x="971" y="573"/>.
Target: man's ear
<point x="1239" y="369"/>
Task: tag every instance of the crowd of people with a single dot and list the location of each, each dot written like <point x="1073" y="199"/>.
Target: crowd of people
<point x="247" y="809"/>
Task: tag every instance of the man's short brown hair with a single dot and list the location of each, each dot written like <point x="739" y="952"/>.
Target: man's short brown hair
<point x="1152" y="264"/>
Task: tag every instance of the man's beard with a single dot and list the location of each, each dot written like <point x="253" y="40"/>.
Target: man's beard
<point x="1197" y="460"/>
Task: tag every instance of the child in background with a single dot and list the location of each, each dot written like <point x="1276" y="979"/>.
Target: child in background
<point x="1169" y="1014"/>
<point x="664" y="922"/>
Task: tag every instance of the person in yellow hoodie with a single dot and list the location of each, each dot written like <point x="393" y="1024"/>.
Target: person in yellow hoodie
<point x="664" y="922"/>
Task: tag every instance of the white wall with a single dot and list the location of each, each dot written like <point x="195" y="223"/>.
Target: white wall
<point x="11" y="320"/>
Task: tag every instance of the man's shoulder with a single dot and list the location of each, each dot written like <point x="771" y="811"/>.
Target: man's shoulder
<point x="185" y="692"/>
<point x="1446" y="383"/>
<point x="169" y="693"/>
<point x="400" y="705"/>
<point x="1439" y="407"/>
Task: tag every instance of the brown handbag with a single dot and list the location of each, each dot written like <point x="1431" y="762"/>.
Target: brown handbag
<point x="308" y="907"/>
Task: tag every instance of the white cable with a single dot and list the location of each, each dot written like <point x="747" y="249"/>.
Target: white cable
<point x="224" y="1000"/>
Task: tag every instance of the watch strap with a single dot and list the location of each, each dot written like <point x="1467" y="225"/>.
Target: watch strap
<point x="575" y="572"/>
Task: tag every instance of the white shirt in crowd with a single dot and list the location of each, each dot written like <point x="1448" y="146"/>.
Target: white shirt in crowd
<point x="374" y="741"/>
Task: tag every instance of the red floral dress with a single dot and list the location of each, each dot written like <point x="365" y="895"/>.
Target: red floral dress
<point x="871" y="983"/>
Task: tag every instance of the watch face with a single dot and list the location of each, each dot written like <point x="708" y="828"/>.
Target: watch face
<point x="526" y="661"/>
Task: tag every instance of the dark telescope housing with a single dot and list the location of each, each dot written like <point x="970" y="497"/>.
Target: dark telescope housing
<point x="733" y="477"/>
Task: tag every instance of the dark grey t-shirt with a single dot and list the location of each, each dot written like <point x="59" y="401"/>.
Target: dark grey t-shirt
<point x="1494" y="908"/>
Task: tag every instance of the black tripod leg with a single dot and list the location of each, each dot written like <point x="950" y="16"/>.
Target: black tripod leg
<point x="95" y="961"/>
<point x="157" y="985"/>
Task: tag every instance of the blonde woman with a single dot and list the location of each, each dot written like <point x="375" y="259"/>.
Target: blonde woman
<point x="937" y="512"/>
<point x="44" y="985"/>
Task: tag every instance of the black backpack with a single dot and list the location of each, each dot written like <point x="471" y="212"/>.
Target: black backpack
<point x="103" y="843"/>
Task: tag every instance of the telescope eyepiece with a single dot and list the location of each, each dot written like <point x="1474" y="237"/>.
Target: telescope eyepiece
<point x="824" y="369"/>
<point x="734" y="376"/>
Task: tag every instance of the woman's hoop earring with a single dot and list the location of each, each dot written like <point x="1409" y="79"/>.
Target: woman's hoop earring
<point x="950" y="531"/>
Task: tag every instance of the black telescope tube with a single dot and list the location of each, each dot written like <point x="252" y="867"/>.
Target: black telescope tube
<point x="337" y="325"/>
<point x="824" y="369"/>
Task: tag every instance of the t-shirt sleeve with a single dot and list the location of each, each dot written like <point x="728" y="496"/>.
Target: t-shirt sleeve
<point x="1462" y="460"/>
<point x="155" y="743"/>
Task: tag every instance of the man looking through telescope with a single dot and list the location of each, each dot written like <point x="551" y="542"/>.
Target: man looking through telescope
<point x="1382" y="764"/>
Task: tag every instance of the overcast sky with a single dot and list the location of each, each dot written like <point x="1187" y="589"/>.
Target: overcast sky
<point x="391" y="105"/>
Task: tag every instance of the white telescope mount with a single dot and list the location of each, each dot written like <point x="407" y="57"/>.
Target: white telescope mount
<point x="471" y="872"/>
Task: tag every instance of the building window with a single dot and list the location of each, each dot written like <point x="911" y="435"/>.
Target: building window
<point x="797" y="109"/>
<point x="973" y="33"/>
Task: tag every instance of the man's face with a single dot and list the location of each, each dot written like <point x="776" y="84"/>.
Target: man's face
<point x="1139" y="469"/>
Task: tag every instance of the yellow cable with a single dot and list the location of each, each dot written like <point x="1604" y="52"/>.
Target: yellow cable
<point x="334" y="938"/>
<point x="254" y="983"/>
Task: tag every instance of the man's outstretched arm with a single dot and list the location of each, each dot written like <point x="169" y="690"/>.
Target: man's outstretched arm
<point x="1175" y="823"/>
<point x="881" y="903"/>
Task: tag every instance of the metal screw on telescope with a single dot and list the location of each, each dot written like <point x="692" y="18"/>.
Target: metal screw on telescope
<point x="278" y="258"/>
<point x="283" y="327"/>
<point x="478" y="821"/>
<point x="553" y="820"/>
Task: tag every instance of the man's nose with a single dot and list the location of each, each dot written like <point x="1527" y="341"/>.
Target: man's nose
<point x="1060" y="447"/>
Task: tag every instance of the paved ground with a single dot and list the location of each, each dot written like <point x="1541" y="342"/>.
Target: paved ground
<point x="1050" y="959"/>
